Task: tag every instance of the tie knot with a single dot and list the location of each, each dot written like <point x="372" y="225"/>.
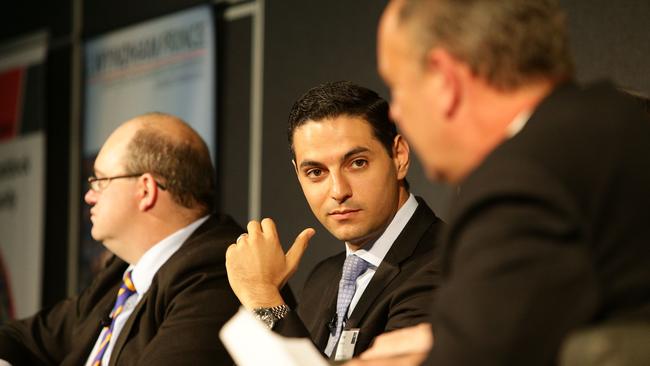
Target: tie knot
<point x="127" y="282"/>
<point x="353" y="267"/>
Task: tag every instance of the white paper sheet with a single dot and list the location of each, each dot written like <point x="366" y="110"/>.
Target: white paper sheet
<point x="251" y="343"/>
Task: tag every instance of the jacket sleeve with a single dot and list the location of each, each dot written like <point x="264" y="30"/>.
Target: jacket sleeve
<point x="41" y="339"/>
<point x="49" y="336"/>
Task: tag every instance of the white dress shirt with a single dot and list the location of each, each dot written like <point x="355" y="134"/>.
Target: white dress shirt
<point x="518" y="123"/>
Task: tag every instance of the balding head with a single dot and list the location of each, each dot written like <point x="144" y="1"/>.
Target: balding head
<point x="169" y="149"/>
<point x="169" y="125"/>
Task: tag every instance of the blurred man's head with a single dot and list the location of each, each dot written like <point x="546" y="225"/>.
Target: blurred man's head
<point x="445" y="60"/>
<point x="152" y="176"/>
<point x="349" y="159"/>
<point x="508" y="43"/>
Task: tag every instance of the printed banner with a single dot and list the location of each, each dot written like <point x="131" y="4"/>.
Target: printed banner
<point x="22" y="175"/>
<point x="21" y="223"/>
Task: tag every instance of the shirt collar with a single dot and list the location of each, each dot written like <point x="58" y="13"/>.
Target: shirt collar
<point x="156" y="256"/>
<point x="518" y="123"/>
<point x="376" y="252"/>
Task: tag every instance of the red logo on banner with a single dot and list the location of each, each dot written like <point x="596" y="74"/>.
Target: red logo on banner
<point x="10" y="102"/>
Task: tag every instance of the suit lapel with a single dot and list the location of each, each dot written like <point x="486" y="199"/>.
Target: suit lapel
<point x="124" y="333"/>
<point x="329" y="309"/>
<point x="126" y="330"/>
<point x="87" y="334"/>
<point x="402" y="249"/>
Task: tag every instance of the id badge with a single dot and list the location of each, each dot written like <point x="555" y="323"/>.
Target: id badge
<point x="347" y="342"/>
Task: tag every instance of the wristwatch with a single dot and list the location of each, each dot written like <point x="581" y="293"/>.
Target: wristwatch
<point x="270" y="316"/>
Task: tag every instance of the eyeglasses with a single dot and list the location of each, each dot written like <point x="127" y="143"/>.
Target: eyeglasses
<point x="99" y="184"/>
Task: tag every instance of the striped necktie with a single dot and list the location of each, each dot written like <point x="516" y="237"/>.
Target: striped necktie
<point x="126" y="290"/>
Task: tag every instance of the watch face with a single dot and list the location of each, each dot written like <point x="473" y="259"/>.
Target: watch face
<point x="266" y="315"/>
<point x="271" y="315"/>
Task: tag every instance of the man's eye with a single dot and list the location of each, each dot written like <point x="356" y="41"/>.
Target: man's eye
<point x="314" y="173"/>
<point x="359" y="163"/>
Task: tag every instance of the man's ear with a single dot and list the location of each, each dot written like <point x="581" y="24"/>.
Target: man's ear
<point x="401" y="156"/>
<point x="444" y="69"/>
<point x="295" y="167"/>
<point x="147" y="192"/>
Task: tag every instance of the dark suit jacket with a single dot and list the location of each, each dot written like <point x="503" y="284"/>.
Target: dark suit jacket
<point x="177" y="321"/>
<point x="399" y="294"/>
<point x="549" y="234"/>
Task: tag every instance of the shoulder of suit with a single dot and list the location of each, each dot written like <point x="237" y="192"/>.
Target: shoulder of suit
<point x="204" y="251"/>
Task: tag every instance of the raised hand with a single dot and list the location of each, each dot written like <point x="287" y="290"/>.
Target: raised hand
<point x="258" y="267"/>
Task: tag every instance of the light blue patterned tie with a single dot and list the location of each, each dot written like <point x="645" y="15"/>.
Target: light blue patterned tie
<point x="353" y="267"/>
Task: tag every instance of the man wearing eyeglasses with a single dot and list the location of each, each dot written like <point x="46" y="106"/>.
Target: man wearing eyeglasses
<point x="164" y="295"/>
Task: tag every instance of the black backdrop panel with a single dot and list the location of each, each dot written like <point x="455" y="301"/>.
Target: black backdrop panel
<point x="233" y="116"/>
<point x="20" y="17"/>
<point x="611" y="39"/>
<point x="100" y="16"/>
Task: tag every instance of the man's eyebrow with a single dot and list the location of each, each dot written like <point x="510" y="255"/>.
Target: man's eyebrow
<point x="309" y="163"/>
<point x="355" y="151"/>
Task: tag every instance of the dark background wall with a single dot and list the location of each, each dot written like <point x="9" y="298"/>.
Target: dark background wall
<point x="611" y="39"/>
<point x="306" y="42"/>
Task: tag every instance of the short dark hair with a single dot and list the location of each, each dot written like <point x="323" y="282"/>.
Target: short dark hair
<point x="507" y="42"/>
<point x="185" y="169"/>
<point x="343" y="98"/>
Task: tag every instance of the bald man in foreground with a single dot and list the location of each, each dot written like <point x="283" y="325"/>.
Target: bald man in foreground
<point x="164" y="295"/>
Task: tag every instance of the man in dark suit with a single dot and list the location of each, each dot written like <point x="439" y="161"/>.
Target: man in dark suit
<point x="548" y="234"/>
<point x="351" y="165"/>
<point x="164" y="295"/>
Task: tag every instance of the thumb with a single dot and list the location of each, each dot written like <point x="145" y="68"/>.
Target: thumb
<point x="294" y="254"/>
